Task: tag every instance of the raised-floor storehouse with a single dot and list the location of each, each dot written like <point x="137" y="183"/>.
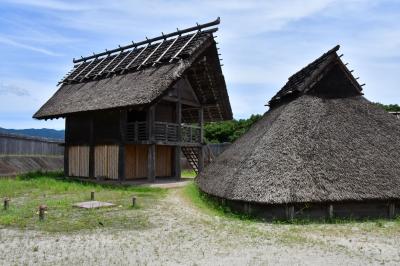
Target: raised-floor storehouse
<point x="130" y="112"/>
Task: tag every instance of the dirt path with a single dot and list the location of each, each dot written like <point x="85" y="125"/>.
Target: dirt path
<point x="181" y="234"/>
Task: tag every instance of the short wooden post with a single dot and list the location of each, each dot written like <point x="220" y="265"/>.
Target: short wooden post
<point x="42" y="211"/>
<point x="133" y="201"/>
<point x="330" y="211"/>
<point x="290" y="212"/>
<point x="392" y="209"/>
<point x="6" y="203"/>
<point x="92" y="195"/>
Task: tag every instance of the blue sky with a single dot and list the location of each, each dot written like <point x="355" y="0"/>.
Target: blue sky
<point x="262" y="43"/>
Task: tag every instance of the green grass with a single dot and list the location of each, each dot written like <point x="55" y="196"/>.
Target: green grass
<point x="207" y="204"/>
<point x="188" y="173"/>
<point x="29" y="191"/>
<point x="211" y="206"/>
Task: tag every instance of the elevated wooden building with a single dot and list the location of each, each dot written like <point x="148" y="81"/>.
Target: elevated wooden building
<point x="131" y="111"/>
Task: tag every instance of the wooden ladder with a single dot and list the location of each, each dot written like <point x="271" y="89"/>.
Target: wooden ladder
<point x="192" y="156"/>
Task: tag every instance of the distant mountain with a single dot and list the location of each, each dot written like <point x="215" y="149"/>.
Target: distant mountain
<point x="43" y="132"/>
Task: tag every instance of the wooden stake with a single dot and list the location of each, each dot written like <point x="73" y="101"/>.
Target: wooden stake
<point x="133" y="201"/>
<point x="6" y="203"/>
<point x="92" y="195"/>
<point x="42" y="210"/>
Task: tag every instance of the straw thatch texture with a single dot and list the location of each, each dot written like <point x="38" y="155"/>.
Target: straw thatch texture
<point x="312" y="150"/>
<point x="136" y="88"/>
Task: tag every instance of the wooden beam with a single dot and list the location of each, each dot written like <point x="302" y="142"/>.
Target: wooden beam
<point x="178" y="117"/>
<point x="201" y="149"/>
<point x="289" y="212"/>
<point x="151" y="160"/>
<point x="183" y="101"/>
<point x="91" y="147"/>
<point x="392" y="210"/>
<point x="66" y="148"/>
<point x="121" y="151"/>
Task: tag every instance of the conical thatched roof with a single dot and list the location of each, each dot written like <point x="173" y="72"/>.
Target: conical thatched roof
<point x="322" y="142"/>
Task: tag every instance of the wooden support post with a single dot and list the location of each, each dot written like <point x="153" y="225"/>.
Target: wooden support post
<point x="66" y="151"/>
<point x="289" y="212"/>
<point x="92" y="195"/>
<point x="6" y="203"/>
<point x="201" y="148"/>
<point x="392" y="210"/>
<point x="177" y="162"/>
<point x="178" y="114"/>
<point x="330" y="211"/>
<point x="151" y="162"/>
<point x="91" y="147"/>
<point x="121" y="150"/>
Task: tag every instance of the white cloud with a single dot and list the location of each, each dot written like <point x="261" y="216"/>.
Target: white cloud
<point x="10" y="42"/>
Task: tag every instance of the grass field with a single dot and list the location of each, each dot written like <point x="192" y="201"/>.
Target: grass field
<point x="178" y="226"/>
<point x="29" y="191"/>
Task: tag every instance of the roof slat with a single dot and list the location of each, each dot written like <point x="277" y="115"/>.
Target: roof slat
<point x="147" y="58"/>
<point x="183" y="47"/>
<point x="165" y="51"/>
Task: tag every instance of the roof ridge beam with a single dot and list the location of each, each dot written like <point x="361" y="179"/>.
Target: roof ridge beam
<point x="152" y="40"/>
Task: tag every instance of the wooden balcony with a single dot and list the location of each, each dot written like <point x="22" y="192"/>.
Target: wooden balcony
<point x="163" y="132"/>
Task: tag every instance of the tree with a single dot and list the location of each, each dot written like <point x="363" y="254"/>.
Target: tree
<point x="389" y="107"/>
<point x="228" y="131"/>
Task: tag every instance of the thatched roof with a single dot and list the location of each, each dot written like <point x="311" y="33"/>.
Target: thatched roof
<point x="139" y="74"/>
<point x="313" y="147"/>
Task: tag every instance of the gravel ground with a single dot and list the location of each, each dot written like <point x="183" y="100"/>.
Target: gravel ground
<point x="182" y="235"/>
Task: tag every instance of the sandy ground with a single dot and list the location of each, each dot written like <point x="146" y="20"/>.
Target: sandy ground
<point x="182" y="235"/>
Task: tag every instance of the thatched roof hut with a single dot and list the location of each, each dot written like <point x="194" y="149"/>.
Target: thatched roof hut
<point x="322" y="149"/>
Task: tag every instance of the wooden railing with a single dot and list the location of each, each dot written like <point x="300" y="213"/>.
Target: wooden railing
<point x="163" y="131"/>
<point x="137" y="131"/>
<point x="190" y="134"/>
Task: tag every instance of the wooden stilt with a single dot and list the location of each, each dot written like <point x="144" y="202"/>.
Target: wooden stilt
<point x="121" y="149"/>
<point x="178" y="116"/>
<point x="151" y="161"/>
<point x="66" y="151"/>
<point x="91" y="148"/>
<point x="201" y="148"/>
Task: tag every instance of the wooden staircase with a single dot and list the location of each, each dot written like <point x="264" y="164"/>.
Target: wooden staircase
<point x="192" y="156"/>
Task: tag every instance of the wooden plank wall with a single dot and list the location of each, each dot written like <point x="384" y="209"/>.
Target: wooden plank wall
<point x="78" y="161"/>
<point x="12" y="144"/>
<point x="106" y="161"/>
<point x="136" y="161"/>
<point x="164" y="160"/>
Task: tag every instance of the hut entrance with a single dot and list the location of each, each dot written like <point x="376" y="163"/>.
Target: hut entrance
<point x="136" y="161"/>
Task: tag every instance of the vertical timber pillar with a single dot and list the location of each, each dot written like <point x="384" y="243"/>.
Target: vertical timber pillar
<point x="392" y="210"/>
<point x="123" y="119"/>
<point x="290" y="212"/>
<point x="177" y="159"/>
<point x="66" y="150"/>
<point x="91" y="147"/>
<point x="151" y="160"/>
<point x="201" y="148"/>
